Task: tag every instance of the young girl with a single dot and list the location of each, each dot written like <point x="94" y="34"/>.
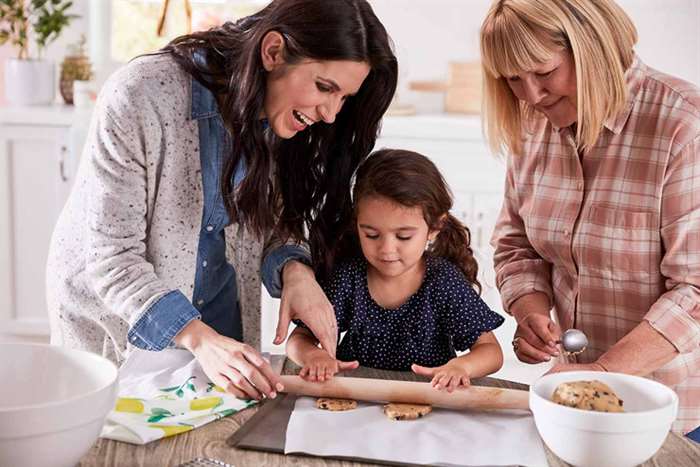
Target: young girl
<point x="403" y="288"/>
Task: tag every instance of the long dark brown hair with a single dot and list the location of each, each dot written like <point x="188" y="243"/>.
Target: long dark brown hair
<point x="301" y="184"/>
<point x="411" y="179"/>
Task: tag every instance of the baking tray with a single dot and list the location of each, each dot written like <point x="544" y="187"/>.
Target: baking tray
<point x="267" y="431"/>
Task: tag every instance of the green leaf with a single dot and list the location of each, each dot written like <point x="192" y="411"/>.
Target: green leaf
<point x="173" y="388"/>
<point x="161" y="411"/>
<point x="156" y="418"/>
<point x="180" y="393"/>
<point x="225" y="413"/>
<point x="158" y="414"/>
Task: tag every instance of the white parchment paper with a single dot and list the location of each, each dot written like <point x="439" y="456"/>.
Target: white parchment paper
<point x="443" y="437"/>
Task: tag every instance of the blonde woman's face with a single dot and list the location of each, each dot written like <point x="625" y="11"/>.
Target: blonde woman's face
<point x="550" y="88"/>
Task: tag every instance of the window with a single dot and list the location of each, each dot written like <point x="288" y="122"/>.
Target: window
<point x="134" y="22"/>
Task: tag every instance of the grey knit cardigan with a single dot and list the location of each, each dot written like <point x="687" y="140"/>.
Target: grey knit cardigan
<point x="130" y="229"/>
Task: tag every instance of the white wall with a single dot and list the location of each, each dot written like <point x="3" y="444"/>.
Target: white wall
<point x="430" y="33"/>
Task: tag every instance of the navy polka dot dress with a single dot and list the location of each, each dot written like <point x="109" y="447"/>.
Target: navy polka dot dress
<point x="444" y="316"/>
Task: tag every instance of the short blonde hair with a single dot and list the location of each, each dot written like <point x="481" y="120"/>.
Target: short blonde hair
<point x="518" y="35"/>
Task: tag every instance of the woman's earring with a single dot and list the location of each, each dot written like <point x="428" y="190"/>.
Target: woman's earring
<point x="429" y="244"/>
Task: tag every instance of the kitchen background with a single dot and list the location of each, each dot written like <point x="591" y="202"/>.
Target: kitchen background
<point x="437" y="45"/>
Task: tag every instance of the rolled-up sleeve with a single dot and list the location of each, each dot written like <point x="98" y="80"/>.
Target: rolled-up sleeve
<point x="157" y="327"/>
<point x="519" y="269"/>
<point x="274" y="261"/>
<point x="676" y="314"/>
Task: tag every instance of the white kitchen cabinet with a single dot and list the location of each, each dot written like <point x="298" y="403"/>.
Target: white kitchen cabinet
<point x="456" y="145"/>
<point x="36" y="165"/>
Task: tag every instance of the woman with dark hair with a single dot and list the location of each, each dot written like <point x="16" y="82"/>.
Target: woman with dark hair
<point x="405" y="286"/>
<point x="226" y="140"/>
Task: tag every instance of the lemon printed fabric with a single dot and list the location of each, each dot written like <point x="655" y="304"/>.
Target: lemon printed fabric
<point x="164" y="394"/>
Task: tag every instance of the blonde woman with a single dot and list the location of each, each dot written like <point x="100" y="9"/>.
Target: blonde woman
<point x="601" y="217"/>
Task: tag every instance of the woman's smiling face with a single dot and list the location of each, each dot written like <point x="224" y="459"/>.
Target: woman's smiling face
<point x="299" y="95"/>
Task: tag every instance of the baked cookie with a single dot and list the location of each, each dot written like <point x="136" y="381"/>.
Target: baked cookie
<point x="588" y="395"/>
<point x="335" y="405"/>
<point x="406" y="411"/>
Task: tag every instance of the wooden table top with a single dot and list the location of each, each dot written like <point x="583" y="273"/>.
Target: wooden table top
<point x="210" y="441"/>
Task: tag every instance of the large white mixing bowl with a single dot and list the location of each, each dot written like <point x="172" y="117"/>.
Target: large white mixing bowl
<point x="597" y="439"/>
<point x="53" y="403"/>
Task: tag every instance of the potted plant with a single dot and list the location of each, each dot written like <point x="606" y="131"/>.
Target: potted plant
<point x="75" y="67"/>
<point x="31" y="79"/>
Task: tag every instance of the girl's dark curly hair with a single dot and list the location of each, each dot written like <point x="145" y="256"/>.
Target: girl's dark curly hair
<point x="411" y="179"/>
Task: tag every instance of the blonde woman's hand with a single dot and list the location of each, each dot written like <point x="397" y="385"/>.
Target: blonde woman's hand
<point x="319" y="366"/>
<point x="535" y="339"/>
<point x="536" y="335"/>
<point x="303" y="299"/>
<point x="450" y="376"/>
<point x="234" y="366"/>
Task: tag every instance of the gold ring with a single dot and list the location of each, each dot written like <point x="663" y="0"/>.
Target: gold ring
<point x="515" y="344"/>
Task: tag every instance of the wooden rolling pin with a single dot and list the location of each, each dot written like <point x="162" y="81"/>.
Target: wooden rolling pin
<point x="409" y="392"/>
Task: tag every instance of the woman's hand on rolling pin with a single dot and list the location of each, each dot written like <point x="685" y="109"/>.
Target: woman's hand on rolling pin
<point x="319" y="366"/>
<point x="234" y="366"/>
<point x="450" y="376"/>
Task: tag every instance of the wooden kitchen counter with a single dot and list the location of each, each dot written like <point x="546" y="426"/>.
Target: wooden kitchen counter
<point x="210" y="441"/>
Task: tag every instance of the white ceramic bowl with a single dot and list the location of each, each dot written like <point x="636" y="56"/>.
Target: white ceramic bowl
<point x="53" y="403"/>
<point x="597" y="439"/>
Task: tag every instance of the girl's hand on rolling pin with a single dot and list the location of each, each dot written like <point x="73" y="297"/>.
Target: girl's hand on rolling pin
<point x="450" y="376"/>
<point x="319" y="366"/>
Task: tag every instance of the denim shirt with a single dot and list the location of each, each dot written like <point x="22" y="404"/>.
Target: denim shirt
<point x="214" y="299"/>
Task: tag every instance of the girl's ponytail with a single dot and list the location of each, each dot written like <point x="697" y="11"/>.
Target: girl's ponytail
<point x="453" y="243"/>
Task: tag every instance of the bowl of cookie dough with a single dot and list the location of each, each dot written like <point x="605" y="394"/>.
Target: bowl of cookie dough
<point x="599" y="419"/>
<point x="53" y="403"/>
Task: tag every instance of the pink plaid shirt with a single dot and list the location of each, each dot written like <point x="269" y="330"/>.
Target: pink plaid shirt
<point x="613" y="237"/>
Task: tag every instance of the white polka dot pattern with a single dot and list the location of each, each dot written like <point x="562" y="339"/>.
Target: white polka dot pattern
<point x="443" y="317"/>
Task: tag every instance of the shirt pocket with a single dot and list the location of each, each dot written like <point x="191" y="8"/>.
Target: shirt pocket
<point x="620" y="244"/>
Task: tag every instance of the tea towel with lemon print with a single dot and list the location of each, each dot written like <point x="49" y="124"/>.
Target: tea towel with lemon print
<point x="164" y="394"/>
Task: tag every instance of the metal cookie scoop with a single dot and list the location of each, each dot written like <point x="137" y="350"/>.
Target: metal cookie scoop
<point x="573" y="341"/>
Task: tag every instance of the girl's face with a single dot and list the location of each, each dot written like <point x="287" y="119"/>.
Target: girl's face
<point x="550" y="88"/>
<point x="299" y="95"/>
<point x="392" y="237"/>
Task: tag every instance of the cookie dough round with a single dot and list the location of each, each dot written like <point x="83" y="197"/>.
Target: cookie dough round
<point x="335" y="405"/>
<point x="406" y="411"/>
<point x="588" y="395"/>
